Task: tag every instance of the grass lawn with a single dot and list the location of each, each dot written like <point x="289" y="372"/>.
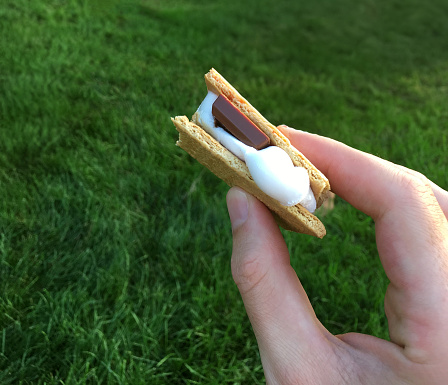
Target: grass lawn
<point x="115" y="245"/>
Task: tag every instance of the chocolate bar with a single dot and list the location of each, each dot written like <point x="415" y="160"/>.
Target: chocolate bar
<point x="238" y="124"/>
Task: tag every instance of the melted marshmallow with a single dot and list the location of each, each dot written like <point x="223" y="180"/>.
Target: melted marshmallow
<point x="271" y="168"/>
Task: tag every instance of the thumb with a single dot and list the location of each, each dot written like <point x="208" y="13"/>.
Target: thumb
<point x="275" y="301"/>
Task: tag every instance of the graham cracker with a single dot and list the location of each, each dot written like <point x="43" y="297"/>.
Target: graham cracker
<point x="226" y="166"/>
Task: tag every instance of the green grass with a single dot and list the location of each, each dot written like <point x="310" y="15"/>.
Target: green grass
<point x="115" y="245"/>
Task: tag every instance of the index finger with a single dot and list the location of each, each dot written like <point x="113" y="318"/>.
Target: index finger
<point x="411" y="232"/>
<point x="353" y="173"/>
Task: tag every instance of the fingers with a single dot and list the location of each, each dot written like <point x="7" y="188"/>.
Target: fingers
<point x="275" y="301"/>
<point x="411" y="232"/>
<point x="341" y="163"/>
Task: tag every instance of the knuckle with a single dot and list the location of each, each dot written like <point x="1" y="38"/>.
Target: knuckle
<point x="248" y="273"/>
<point x="418" y="175"/>
<point x="413" y="185"/>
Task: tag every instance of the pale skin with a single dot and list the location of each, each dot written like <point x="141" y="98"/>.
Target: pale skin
<point x="410" y="215"/>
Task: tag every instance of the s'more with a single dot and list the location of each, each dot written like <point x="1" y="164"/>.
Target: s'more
<point x="235" y="142"/>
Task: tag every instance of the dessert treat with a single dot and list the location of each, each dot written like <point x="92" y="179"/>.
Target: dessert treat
<point x="233" y="140"/>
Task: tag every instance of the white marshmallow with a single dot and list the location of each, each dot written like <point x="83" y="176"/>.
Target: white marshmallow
<point x="271" y="168"/>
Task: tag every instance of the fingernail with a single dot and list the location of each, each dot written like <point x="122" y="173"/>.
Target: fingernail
<point x="238" y="207"/>
<point x="285" y="127"/>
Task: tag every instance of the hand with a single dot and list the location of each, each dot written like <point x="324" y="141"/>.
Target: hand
<point x="412" y="238"/>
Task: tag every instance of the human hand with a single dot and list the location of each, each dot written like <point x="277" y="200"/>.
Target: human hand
<point x="411" y="228"/>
